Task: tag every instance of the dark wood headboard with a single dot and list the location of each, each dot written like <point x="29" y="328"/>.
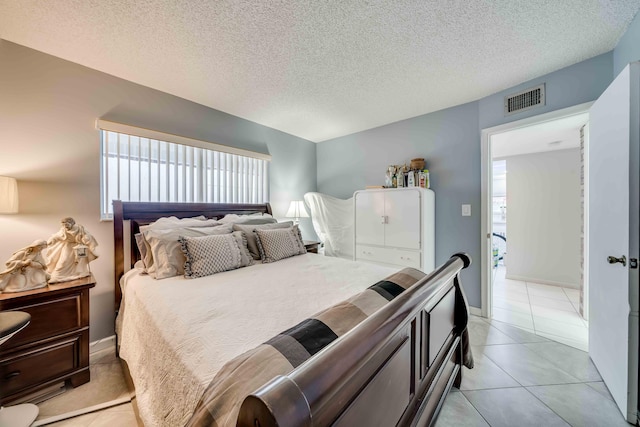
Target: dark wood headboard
<point x="142" y="213"/>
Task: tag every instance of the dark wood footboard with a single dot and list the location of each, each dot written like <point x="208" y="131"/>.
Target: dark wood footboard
<point x="395" y="368"/>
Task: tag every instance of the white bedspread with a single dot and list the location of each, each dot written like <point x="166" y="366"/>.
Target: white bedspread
<point x="175" y="334"/>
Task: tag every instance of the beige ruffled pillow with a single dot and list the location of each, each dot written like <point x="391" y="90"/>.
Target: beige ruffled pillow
<point x="210" y="255"/>
<point x="277" y="244"/>
<point x="251" y="238"/>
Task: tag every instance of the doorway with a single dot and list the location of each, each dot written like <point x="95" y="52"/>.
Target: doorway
<point x="533" y="255"/>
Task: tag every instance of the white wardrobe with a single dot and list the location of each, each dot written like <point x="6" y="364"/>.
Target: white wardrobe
<point x="395" y="226"/>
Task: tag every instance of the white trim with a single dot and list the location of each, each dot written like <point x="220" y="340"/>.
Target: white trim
<point x="585" y="252"/>
<point x="475" y="311"/>
<point x="81" y="411"/>
<point x="177" y="139"/>
<point x="485" y="190"/>
<point x="543" y="281"/>
<point x="102" y="344"/>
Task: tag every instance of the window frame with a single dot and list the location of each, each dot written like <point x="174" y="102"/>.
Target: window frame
<point x="244" y="174"/>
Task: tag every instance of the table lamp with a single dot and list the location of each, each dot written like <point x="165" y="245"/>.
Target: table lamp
<point x="297" y="210"/>
<point x="8" y="195"/>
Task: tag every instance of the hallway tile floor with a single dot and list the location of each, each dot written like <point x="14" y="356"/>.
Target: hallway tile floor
<point x="523" y="379"/>
<point x="547" y="311"/>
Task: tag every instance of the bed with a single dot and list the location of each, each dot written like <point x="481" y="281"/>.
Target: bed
<point x="179" y="336"/>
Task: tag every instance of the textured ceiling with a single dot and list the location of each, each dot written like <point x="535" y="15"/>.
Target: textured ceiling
<point x="321" y="69"/>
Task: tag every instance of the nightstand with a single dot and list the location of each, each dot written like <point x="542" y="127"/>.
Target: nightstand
<point x="54" y="347"/>
<point x="311" y="246"/>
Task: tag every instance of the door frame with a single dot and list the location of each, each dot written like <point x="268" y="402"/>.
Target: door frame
<point x="486" y="192"/>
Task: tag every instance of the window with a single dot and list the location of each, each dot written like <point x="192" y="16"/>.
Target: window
<point x="149" y="166"/>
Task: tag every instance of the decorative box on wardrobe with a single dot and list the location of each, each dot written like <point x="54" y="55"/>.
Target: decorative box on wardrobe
<point x="395" y="226"/>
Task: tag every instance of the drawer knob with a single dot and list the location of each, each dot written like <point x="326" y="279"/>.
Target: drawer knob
<point x="12" y="375"/>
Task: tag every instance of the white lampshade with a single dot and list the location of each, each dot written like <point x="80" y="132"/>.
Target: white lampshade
<point x="297" y="210"/>
<point x="8" y="195"/>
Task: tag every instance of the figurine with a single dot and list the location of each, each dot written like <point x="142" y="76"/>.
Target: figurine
<point x="25" y="270"/>
<point x="70" y="251"/>
<point x="390" y="176"/>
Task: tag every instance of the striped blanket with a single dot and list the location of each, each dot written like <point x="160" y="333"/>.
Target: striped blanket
<point x="221" y="401"/>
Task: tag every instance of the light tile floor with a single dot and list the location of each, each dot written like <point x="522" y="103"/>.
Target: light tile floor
<point x="524" y="379"/>
<point x="548" y="311"/>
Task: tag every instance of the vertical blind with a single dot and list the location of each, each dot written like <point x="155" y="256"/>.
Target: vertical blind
<point x="136" y="168"/>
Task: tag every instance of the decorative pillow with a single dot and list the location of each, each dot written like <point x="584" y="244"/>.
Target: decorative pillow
<point x="277" y="244"/>
<point x="209" y="255"/>
<point x="245" y="256"/>
<point x="166" y="223"/>
<point x="251" y="237"/>
<point x="244" y="219"/>
<point x="168" y="259"/>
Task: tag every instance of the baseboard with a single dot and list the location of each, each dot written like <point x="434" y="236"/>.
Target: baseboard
<point x="83" y="411"/>
<point x="475" y="311"/>
<point x="542" y="281"/>
<point x="102" y="347"/>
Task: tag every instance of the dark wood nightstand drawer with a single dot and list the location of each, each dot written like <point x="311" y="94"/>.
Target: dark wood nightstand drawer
<point x="49" y="318"/>
<point x="54" y="347"/>
<point x="24" y="369"/>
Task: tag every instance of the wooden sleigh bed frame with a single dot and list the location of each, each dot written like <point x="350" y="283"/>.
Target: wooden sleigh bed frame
<point x="394" y="368"/>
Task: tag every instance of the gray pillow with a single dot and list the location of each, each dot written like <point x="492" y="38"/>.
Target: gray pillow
<point x="168" y="259"/>
<point x="251" y="237"/>
<point x="279" y="243"/>
<point x="259" y="221"/>
<point x="208" y="255"/>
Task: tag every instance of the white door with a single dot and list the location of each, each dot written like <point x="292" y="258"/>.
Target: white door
<point x="370" y="218"/>
<point x="402" y="211"/>
<point x="613" y="302"/>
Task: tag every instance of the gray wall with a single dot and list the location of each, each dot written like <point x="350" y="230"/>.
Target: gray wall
<point x="573" y="85"/>
<point x="628" y="48"/>
<point x="450" y="142"/>
<point x="48" y="142"/>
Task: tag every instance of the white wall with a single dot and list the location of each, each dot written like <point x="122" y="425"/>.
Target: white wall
<point x="543" y="217"/>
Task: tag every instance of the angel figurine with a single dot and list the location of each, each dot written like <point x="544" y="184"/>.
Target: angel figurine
<point x="25" y="270"/>
<point x="70" y="251"/>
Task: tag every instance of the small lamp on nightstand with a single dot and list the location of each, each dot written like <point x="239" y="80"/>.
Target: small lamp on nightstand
<point x="8" y="195"/>
<point x="297" y="210"/>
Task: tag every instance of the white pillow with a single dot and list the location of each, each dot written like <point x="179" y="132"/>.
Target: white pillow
<point x="173" y="222"/>
<point x="238" y="219"/>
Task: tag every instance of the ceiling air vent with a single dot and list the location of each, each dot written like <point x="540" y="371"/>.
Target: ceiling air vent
<point x="524" y="100"/>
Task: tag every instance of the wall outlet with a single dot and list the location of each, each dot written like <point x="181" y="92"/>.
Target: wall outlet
<point x="466" y="210"/>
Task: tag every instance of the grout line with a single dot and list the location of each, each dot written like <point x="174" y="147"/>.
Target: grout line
<point x="474" y="407"/>
<point x="540" y="400"/>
